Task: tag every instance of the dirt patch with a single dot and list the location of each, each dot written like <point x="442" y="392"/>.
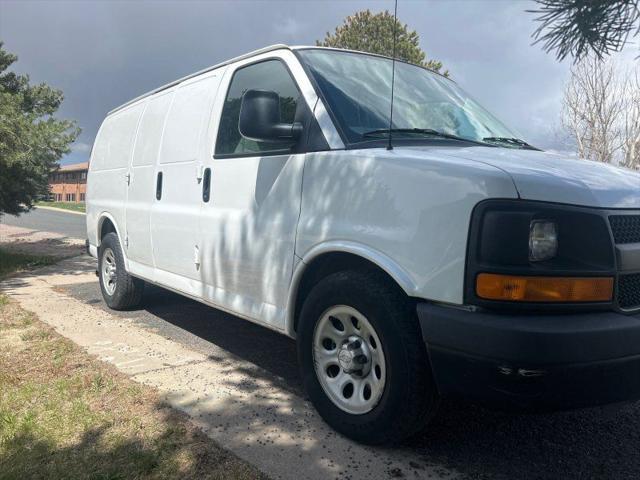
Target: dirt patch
<point x="35" y="242"/>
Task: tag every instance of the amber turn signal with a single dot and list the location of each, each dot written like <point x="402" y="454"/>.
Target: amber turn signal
<point x="544" y="289"/>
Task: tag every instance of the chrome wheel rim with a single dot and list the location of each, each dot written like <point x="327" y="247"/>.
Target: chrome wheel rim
<point x="349" y="360"/>
<point x="109" y="271"/>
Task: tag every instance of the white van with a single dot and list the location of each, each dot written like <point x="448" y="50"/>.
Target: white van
<point x="451" y="259"/>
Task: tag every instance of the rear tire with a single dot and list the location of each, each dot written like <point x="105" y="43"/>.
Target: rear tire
<point x="381" y="327"/>
<point x="120" y="290"/>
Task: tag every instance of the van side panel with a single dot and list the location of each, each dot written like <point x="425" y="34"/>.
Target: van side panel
<point x="107" y="182"/>
<point x="92" y="214"/>
<point x="142" y="178"/>
<point x="175" y="218"/>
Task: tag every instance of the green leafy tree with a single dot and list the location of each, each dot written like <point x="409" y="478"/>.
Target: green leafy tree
<point x="373" y="33"/>
<point x="32" y="140"/>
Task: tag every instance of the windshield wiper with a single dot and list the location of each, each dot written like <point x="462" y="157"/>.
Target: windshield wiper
<point x="510" y="142"/>
<point x="422" y="131"/>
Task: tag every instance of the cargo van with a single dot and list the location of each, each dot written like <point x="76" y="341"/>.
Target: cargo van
<point x="414" y="258"/>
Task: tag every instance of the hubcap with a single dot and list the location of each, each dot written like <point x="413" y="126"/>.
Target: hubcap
<point x="349" y="360"/>
<point x="109" y="271"/>
<point x="354" y="356"/>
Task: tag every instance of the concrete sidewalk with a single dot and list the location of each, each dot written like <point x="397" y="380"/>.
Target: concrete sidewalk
<point x="249" y="414"/>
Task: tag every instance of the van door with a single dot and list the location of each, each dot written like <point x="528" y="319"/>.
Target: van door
<point x="177" y="184"/>
<point x="249" y="222"/>
<point x="142" y="179"/>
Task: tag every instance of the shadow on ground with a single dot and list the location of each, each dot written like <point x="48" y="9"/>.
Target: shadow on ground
<point x="39" y="243"/>
<point x="591" y="443"/>
<point x="175" y="452"/>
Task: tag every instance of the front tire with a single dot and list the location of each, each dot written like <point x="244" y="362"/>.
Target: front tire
<point x="120" y="290"/>
<point x="363" y="360"/>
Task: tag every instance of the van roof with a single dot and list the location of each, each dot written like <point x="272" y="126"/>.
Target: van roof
<point x="277" y="46"/>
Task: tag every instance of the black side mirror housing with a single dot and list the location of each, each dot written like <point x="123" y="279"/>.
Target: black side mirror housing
<point x="260" y="118"/>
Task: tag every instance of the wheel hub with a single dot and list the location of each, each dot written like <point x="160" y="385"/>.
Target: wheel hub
<point x="349" y="360"/>
<point x="109" y="271"/>
<point x="354" y="356"/>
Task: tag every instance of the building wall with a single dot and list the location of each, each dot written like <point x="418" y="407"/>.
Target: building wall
<point x="68" y="186"/>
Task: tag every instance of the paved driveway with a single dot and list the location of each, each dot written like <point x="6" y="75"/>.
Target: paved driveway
<point x="66" y="223"/>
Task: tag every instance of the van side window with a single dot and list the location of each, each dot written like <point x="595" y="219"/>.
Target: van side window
<point x="268" y="75"/>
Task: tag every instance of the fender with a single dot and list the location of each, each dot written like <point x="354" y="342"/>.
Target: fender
<point x="395" y="271"/>
<point x="102" y="217"/>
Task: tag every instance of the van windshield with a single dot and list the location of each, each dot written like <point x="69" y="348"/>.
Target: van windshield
<point x="357" y="88"/>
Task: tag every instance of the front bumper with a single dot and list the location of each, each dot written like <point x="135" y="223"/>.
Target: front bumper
<point x="533" y="362"/>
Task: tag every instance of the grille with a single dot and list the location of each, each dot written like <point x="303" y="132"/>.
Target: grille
<point x="629" y="291"/>
<point x="625" y="228"/>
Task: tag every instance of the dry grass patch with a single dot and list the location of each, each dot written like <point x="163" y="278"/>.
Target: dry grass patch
<point x="64" y="414"/>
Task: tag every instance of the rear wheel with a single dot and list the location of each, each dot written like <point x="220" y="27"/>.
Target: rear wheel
<point x="120" y="290"/>
<point x="363" y="361"/>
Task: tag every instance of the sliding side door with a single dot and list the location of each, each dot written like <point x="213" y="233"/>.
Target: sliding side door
<point x="177" y="184"/>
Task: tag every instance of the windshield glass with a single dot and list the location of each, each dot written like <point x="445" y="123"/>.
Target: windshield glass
<point x="358" y="90"/>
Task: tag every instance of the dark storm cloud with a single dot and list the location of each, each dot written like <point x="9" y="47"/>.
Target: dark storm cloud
<point x="102" y="54"/>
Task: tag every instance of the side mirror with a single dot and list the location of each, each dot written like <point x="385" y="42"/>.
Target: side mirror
<point x="260" y="118"/>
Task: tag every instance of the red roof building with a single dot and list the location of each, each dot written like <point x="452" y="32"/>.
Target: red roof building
<point x="69" y="183"/>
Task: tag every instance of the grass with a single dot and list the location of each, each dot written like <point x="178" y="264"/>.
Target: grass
<point x="64" y="414"/>
<point x="11" y="262"/>
<point x="73" y="206"/>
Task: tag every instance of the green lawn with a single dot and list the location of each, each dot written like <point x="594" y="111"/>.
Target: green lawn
<point x="74" y="207"/>
<point x="65" y="414"/>
<point x="14" y="262"/>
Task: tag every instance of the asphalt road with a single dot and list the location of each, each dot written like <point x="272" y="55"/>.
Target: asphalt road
<point x="69" y="224"/>
<point x="597" y="443"/>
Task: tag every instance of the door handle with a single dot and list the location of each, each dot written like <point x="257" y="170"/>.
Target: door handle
<point x="159" y="186"/>
<point x="206" y="185"/>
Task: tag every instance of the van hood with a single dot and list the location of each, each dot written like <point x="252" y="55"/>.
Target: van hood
<point x="556" y="178"/>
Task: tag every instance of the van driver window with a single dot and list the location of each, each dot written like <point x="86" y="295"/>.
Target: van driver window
<point x="268" y="75"/>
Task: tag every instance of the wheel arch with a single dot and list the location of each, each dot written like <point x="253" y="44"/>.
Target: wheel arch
<point x="332" y="257"/>
<point x="107" y="224"/>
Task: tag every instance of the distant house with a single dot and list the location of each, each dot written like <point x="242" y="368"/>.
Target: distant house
<point x="69" y="183"/>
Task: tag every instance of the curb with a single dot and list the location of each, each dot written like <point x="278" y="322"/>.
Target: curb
<point x="59" y="210"/>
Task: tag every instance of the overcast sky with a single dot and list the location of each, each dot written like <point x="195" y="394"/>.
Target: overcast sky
<point x="103" y="53"/>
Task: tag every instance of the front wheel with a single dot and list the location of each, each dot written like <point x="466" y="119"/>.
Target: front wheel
<point x="364" y="364"/>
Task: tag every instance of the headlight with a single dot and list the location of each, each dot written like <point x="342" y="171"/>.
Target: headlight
<point x="532" y="253"/>
<point x="543" y="240"/>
